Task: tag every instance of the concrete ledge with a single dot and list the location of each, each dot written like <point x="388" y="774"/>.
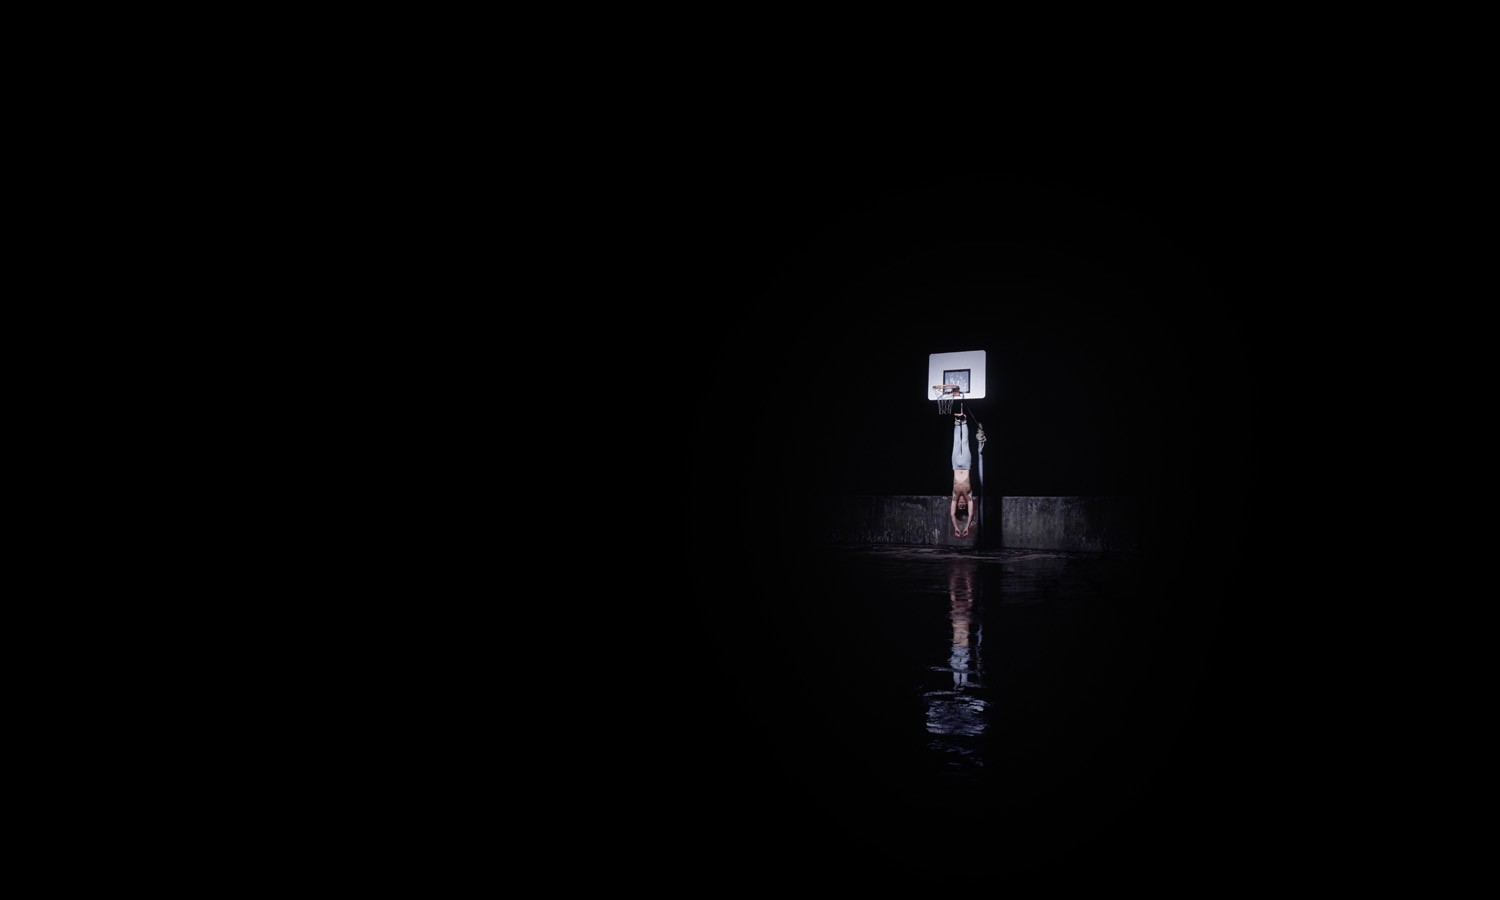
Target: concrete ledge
<point x="1100" y="524"/>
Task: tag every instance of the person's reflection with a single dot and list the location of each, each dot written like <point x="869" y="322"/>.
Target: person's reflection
<point x="957" y="709"/>
<point x="961" y="612"/>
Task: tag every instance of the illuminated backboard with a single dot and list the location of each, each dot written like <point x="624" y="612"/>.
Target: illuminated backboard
<point x="965" y="369"/>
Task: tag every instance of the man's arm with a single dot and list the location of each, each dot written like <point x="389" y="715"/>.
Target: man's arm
<point x="953" y="514"/>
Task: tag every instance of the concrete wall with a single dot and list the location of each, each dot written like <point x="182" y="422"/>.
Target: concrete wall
<point x="1037" y="523"/>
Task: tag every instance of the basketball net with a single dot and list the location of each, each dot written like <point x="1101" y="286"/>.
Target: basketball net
<point x="946" y="394"/>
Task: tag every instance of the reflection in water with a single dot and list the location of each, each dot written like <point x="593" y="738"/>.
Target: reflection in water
<point x="958" y="710"/>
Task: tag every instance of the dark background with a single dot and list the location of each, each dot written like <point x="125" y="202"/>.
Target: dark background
<point x="1117" y="315"/>
<point x="1122" y="314"/>
<point x="760" y="340"/>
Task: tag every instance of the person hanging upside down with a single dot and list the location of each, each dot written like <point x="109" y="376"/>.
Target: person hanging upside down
<point x="961" y="506"/>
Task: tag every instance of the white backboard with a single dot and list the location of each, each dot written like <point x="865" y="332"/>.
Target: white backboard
<point x="964" y="368"/>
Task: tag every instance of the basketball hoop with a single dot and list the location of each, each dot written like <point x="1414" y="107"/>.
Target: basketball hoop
<point x="945" y="394"/>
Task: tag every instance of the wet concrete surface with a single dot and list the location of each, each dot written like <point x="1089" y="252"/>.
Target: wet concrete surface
<point x="1022" y="709"/>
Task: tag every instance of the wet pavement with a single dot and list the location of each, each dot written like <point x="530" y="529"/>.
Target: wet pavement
<point x="1025" y="709"/>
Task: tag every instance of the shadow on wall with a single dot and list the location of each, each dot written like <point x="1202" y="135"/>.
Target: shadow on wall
<point x="1095" y="524"/>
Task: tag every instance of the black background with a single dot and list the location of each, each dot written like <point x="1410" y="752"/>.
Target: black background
<point x="1118" y="317"/>
<point x="763" y="354"/>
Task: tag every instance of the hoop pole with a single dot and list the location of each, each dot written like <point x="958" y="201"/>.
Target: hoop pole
<point x="984" y="495"/>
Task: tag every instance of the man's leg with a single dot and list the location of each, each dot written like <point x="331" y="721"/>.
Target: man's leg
<point x="961" y="458"/>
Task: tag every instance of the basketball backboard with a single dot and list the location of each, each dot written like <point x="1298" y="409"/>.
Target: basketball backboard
<point x="963" y="370"/>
